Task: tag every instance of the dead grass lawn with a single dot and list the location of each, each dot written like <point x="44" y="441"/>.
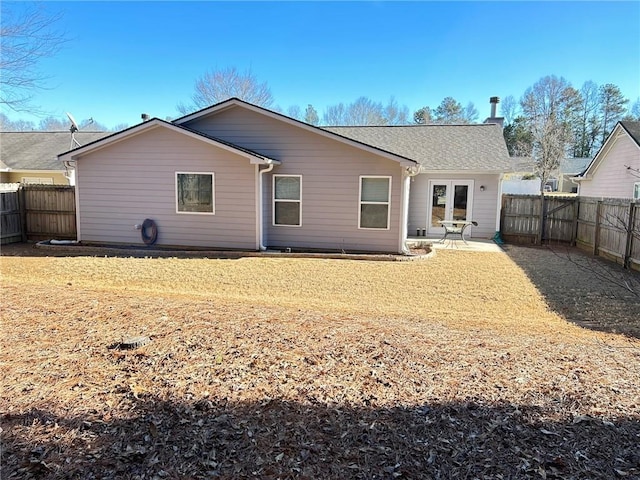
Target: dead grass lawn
<point x="306" y="368"/>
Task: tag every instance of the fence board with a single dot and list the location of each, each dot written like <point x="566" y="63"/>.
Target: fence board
<point x="45" y="212"/>
<point x="10" y="218"/>
<point x="608" y="227"/>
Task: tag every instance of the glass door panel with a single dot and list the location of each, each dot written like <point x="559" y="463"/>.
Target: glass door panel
<point x="439" y="204"/>
<point x="460" y="198"/>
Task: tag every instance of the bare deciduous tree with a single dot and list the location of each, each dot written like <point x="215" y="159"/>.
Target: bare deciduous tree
<point x="470" y="114"/>
<point x="364" y="111"/>
<point x="509" y="109"/>
<point x="294" y="111"/>
<point x="547" y="107"/>
<point x="8" y="125"/>
<point x="27" y="35"/>
<point x="219" y="85"/>
<point x="311" y="115"/>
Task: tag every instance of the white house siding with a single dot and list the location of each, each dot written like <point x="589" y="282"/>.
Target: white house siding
<point x="611" y="178"/>
<point x="484" y="206"/>
<point x="121" y="185"/>
<point x="330" y="173"/>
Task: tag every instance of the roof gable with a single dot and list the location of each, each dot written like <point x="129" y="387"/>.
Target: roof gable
<point x="39" y="150"/>
<point x="476" y="147"/>
<point x="631" y="129"/>
<point x="237" y="103"/>
<point x="74" y="154"/>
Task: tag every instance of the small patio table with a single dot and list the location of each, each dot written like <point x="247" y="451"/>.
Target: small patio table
<point x="456" y="227"/>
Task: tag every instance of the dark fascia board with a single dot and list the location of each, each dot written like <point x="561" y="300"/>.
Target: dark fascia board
<point x="218" y="107"/>
<point x="631" y="135"/>
<point x="254" y="157"/>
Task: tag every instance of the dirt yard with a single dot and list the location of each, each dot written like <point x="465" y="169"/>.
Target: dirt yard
<point x="459" y="366"/>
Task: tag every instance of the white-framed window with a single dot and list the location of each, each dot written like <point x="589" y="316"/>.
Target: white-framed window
<point x="375" y="202"/>
<point x="195" y="193"/>
<point x="636" y="191"/>
<point x="287" y="200"/>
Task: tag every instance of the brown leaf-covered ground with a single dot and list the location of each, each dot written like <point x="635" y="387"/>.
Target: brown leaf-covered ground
<point x="457" y="366"/>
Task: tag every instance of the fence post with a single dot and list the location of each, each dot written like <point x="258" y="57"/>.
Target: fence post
<point x="576" y="215"/>
<point x="22" y="206"/>
<point x="629" y="229"/>
<point x="596" y="233"/>
<point x="540" y="234"/>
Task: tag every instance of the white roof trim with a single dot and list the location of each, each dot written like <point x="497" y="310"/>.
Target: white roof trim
<point x="157" y="123"/>
<point x="33" y="170"/>
<point x="424" y="171"/>
<point x="234" y="102"/>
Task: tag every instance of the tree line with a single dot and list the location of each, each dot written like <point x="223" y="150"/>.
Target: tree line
<point x="585" y="116"/>
<point x="578" y="120"/>
<point x="581" y="118"/>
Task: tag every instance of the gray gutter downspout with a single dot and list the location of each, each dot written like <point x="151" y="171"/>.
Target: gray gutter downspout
<point x="261" y="208"/>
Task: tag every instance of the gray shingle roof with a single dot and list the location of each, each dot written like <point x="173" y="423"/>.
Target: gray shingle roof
<point x="633" y="129"/>
<point x="39" y="150"/>
<point x="574" y="165"/>
<point x="438" y="147"/>
<point x="571" y="166"/>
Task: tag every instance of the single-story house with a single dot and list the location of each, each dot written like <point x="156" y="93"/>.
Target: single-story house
<point x="238" y="176"/>
<point x="32" y="157"/>
<point x="614" y="172"/>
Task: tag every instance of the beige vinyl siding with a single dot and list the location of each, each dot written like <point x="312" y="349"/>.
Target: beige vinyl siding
<point x="611" y="178"/>
<point x="484" y="207"/>
<point x="121" y="185"/>
<point x="330" y="173"/>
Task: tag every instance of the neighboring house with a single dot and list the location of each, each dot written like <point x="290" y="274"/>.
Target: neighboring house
<point x="523" y="180"/>
<point x="32" y="157"/>
<point x="615" y="170"/>
<point x="239" y="176"/>
<point x="569" y="168"/>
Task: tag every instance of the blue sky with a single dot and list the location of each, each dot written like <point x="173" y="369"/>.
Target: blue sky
<point x="125" y="58"/>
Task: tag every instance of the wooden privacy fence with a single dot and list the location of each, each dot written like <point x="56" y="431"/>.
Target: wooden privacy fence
<point x="38" y="212"/>
<point x="607" y="227"/>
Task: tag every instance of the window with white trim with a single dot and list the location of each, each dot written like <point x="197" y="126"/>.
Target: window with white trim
<point x="287" y="200"/>
<point x="636" y="191"/>
<point x="375" y="202"/>
<point x="195" y="193"/>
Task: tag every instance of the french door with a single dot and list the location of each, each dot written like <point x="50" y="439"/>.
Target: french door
<point x="448" y="200"/>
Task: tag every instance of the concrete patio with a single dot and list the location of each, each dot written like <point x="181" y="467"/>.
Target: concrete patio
<point x="471" y="245"/>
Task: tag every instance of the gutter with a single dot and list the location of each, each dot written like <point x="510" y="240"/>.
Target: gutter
<point x="261" y="245"/>
<point x="68" y="165"/>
